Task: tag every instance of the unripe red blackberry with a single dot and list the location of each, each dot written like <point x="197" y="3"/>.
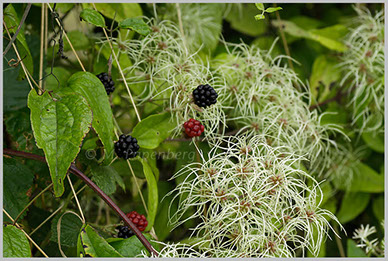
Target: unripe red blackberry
<point x="126" y="147"/>
<point x="193" y="128"/>
<point x="204" y="95"/>
<point x="139" y="220"/>
<point x="107" y="82"/>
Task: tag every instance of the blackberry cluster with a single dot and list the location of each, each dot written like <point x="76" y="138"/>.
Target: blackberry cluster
<point x="124" y="232"/>
<point x="126" y="147"/>
<point x="193" y="128"/>
<point x="204" y="95"/>
<point x="139" y="220"/>
<point x="107" y="82"/>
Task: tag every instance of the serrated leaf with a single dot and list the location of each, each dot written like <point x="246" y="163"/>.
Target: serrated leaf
<point x="90" y="243"/>
<point x="59" y="126"/>
<point x="70" y="227"/>
<point x="374" y="140"/>
<point x="154" y="129"/>
<point x="353" y="250"/>
<point x="91" y="88"/>
<point x="352" y="205"/>
<point x="106" y="177"/>
<point x="153" y="199"/>
<point x="260" y="6"/>
<point x="17" y="181"/>
<point x="273" y="9"/>
<point x="93" y="17"/>
<point x="135" y="24"/>
<point x="131" y="247"/>
<point x="15" y="243"/>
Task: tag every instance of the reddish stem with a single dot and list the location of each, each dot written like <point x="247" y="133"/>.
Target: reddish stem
<point x="94" y="187"/>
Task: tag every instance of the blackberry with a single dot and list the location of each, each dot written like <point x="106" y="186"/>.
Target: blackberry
<point x="126" y="147"/>
<point x="204" y="95"/>
<point x="124" y="232"/>
<point x="139" y="220"/>
<point x="107" y="82"/>
<point x="193" y="128"/>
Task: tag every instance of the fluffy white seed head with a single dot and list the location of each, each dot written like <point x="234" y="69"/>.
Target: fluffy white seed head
<point x="252" y="200"/>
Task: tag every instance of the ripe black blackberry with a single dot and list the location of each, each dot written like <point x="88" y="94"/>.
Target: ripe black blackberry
<point x="124" y="232"/>
<point x="126" y="147"/>
<point x="107" y="82"/>
<point x="204" y="95"/>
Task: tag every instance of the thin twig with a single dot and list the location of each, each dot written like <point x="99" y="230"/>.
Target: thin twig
<point x="284" y="40"/>
<point x="339" y="243"/>
<point x="42" y="40"/>
<point x="32" y="201"/>
<point x="76" y="199"/>
<point x="120" y="70"/>
<point x="178" y="9"/>
<point x="45" y="221"/>
<point x="18" y="30"/>
<point x="73" y="169"/>
<point x="29" y="238"/>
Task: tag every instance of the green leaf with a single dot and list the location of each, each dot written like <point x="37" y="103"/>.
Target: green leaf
<point x="153" y="200"/>
<point x="59" y="125"/>
<point x="364" y="179"/>
<point x="259" y="17"/>
<point x="12" y="21"/>
<point x="106" y="177"/>
<point x="93" y="17"/>
<point x="273" y="9"/>
<point x="242" y="18"/>
<point x="79" y="41"/>
<point x="327" y="37"/>
<point x="260" y="6"/>
<point x="353" y="250"/>
<point x="374" y="140"/>
<point x="51" y="83"/>
<point x="122" y="10"/>
<point x="330" y="37"/>
<point x="135" y="24"/>
<point x="131" y="247"/>
<point x="352" y="205"/>
<point x="91" y="88"/>
<point x="154" y="129"/>
<point x="70" y="227"/>
<point x="323" y="76"/>
<point x="91" y="243"/>
<point x="378" y="207"/>
<point x="15" y="243"/>
<point x="17" y="181"/>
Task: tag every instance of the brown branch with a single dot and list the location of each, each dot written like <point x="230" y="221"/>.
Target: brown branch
<point x="19" y="27"/>
<point x="96" y="189"/>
